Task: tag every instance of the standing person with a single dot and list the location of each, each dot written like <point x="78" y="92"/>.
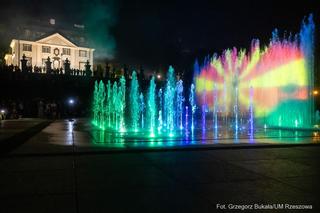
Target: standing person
<point x="58" y="110"/>
<point x="20" y="109"/>
<point x="48" y="110"/>
<point x="40" y="109"/>
<point x="14" y="114"/>
<point x="54" y="110"/>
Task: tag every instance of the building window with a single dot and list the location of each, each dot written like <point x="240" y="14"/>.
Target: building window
<point x="46" y="49"/>
<point x="27" y="47"/>
<point x="82" y="53"/>
<point x="66" y="51"/>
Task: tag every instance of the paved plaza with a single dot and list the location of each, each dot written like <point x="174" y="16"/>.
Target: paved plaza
<point x="60" y="169"/>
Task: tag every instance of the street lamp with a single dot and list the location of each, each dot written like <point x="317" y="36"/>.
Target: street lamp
<point x="2" y="114"/>
<point x="71" y="102"/>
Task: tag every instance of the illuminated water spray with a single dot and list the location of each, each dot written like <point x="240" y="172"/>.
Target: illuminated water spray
<point x="142" y="107"/>
<point x="115" y="103"/>
<point x="122" y="102"/>
<point x="192" y="103"/>
<point x="180" y="100"/>
<point x="101" y="98"/>
<point x="215" y="108"/>
<point x="160" y="118"/>
<point x="151" y="111"/>
<point x="109" y="104"/>
<point x="95" y="107"/>
<point x="204" y="108"/>
<point x="134" y="102"/>
<point x="187" y="118"/>
<point x="169" y="101"/>
<point x="251" y="112"/>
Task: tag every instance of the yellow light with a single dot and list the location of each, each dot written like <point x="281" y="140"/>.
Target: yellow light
<point x="315" y="92"/>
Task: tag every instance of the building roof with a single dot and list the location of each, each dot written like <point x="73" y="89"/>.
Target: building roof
<point x="33" y="31"/>
<point x="56" y="38"/>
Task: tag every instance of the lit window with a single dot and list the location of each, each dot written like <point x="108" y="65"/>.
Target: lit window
<point x="27" y="47"/>
<point x="83" y="53"/>
<point x="66" y="51"/>
<point x="46" y="49"/>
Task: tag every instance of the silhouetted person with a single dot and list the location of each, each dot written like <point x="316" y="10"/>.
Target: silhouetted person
<point x="24" y="64"/>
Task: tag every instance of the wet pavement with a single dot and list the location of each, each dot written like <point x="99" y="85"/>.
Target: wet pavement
<point x="9" y="128"/>
<point x="63" y="169"/>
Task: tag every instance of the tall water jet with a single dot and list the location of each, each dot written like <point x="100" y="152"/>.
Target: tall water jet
<point x="101" y="99"/>
<point x="215" y="107"/>
<point x="115" y="105"/>
<point x="134" y="102"/>
<point x="169" y="101"/>
<point x="109" y="103"/>
<point x="203" y="108"/>
<point x="160" y="118"/>
<point x="251" y="111"/>
<point x="236" y="109"/>
<point x="180" y="100"/>
<point x="187" y="118"/>
<point x="236" y="99"/>
<point x="142" y="109"/>
<point x="95" y="104"/>
<point x="152" y="106"/>
<point x="122" y="102"/>
<point x="192" y="103"/>
<point x="307" y="44"/>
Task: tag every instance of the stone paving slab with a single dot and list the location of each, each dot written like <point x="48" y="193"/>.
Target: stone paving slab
<point x="50" y="173"/>
<point x="14" y="132"/>
<point x="9" y="128"/>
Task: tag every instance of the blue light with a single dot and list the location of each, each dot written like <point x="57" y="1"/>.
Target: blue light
<point x="71" y="101"/>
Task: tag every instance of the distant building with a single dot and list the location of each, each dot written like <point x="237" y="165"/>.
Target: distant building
<point x="55" y="46"/>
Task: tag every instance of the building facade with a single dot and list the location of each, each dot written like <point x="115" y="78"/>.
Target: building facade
<point x="55" y="46"/>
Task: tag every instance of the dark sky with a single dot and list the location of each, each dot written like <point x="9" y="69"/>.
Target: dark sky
<point x="158" y="33"/>
<point x="167" y="32"/>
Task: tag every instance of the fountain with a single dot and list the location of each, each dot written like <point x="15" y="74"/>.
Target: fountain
<point x="238" y="91"/>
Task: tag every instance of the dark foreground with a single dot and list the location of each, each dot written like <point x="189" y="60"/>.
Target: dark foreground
<point x="57" y="171"/>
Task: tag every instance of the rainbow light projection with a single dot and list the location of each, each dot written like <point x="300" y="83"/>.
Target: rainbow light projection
<point x="279" y="76"/>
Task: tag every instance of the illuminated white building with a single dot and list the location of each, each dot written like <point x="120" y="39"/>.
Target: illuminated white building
<point x="55" y="46"/>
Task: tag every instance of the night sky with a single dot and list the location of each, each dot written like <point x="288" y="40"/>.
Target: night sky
<point x="158" y="33"/>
